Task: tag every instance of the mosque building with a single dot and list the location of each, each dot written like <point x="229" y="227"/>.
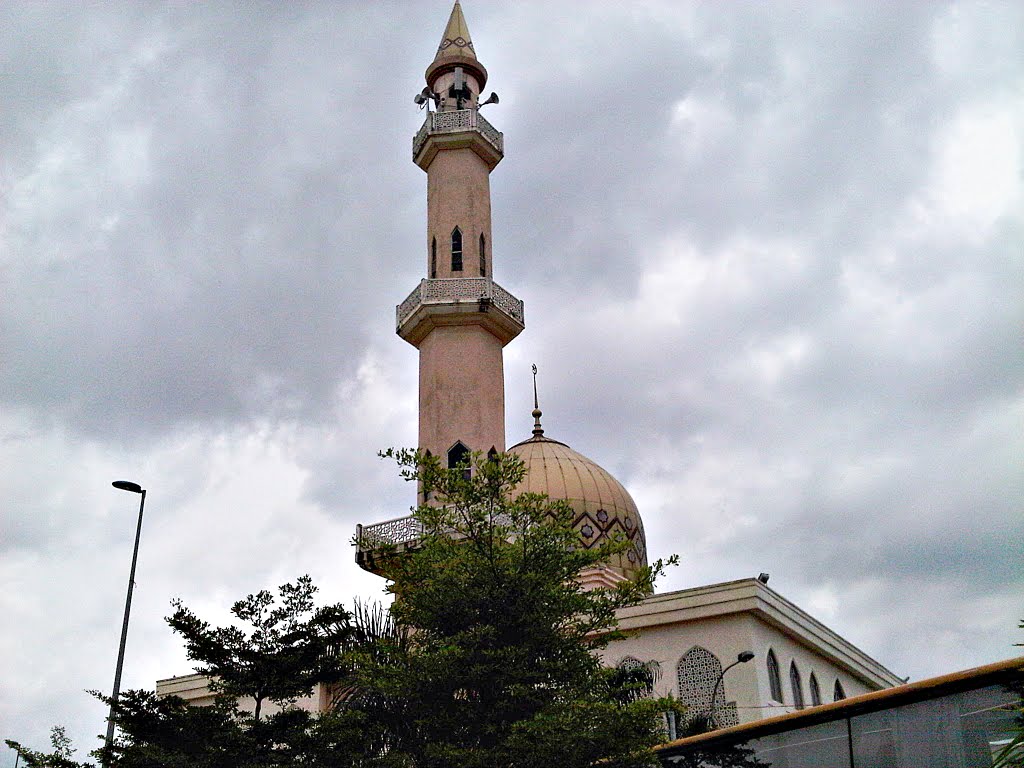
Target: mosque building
<point x="460" y="319"/>
<point x="777" y="657"/>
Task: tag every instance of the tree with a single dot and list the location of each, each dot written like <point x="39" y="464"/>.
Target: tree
<point x="487" y="658"/>
<point x="290" y="648"/>
<point x="500" y="667"/>
<point x="60" y="757"/>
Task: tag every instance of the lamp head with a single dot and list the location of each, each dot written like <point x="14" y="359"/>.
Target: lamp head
<point x="127" y="485"/>
<point x="745" y="656"/>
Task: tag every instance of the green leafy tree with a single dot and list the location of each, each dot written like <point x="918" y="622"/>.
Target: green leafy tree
<point x="487" y="658"/>
<point x="62" y="755"/>
<point x="737" y="756"/>
<point x="501" y="666"/>
<point x="288" y="648"/>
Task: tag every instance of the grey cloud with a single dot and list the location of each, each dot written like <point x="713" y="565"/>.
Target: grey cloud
<point x="210" y="211"/>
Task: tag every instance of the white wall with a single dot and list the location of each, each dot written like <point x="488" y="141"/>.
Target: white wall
<point x="746" y="684"/>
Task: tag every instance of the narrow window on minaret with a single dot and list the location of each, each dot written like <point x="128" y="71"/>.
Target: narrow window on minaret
<point x="433" y="258"/>
<point x="458" y="458"/>
<point x="456" y="250"/>
<point x="483" y="256"/>
<point x="426" y="490"/>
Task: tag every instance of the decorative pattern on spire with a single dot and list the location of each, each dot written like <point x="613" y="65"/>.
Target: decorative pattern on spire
<point x="456" y="40"/>
<point x="461" y="42"/>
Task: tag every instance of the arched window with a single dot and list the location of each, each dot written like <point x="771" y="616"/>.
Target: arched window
<point x="815" y="690"/>
<point x="483" y="256"/>
<point x="433" y="258"/>
<point x="774" y="679"/>
<point x="456" y="250"/>
<point x="697" y="674"/>
<point x="795" y="684"/>
<point x="637" y="675"/>
<point x="458" y="457"/>
<point x="838" y="694"/>
<point x="492" y="455"/>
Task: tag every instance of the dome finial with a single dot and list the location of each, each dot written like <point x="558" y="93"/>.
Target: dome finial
<point x="538" y="430"/>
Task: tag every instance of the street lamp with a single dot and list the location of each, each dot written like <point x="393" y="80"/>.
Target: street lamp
<point x="742" y="658"/>
<point x="124" y="485"/>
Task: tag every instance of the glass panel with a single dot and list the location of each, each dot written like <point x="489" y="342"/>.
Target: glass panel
<point x="988" y="721"/>
<point x="963" y="730"/>
<point x="874" y="739"/>
<point x="819" y="746"/>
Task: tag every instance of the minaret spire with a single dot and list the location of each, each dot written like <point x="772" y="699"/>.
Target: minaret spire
<point x="455" y="76"/>
<point x="456" y="39"/>
<point x="458" y="317"/>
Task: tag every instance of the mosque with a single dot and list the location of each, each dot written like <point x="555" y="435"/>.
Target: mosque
<point x="460" y="319"/>
<point x="733" y="652"/>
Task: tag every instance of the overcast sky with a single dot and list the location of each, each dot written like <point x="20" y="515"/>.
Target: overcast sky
<point x="772" y="263"/>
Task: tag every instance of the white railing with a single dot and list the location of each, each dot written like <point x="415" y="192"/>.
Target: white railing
<point x="401" y="530"/>
<point x="455" y="121"/>
<point x="455" y="289"/>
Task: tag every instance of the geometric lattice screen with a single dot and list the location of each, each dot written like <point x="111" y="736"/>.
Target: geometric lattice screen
<point x="631" y="664"/>
<point x="697" y="673"/>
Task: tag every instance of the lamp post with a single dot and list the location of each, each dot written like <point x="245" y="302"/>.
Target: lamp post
<point x="124" y="485"/>
<point x="742" y="658"/>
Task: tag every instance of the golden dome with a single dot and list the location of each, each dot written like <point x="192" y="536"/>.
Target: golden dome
<point x="601" y="507"/>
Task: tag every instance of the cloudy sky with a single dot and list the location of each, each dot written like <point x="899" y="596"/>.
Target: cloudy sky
<point x="771" y="256"/>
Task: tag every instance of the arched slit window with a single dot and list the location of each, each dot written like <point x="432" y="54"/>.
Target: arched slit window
<point x="456" y="250"/>
<point x="838" y="694"/>
<point x="426" y="490"/>
<point x="774" y="679"/>
<point x="458" y="458"/>
<point x="795" y="684"/>
<point x="483" y="256"/>
<point x="492" y="455"/>
<point x="815" y="690"/>
<point x="433" y="258"/>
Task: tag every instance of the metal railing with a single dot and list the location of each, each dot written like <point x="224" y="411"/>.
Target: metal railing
<point x="401" y="530"/>
<point x="454" y="289"/>
<point x="455" y="121"/>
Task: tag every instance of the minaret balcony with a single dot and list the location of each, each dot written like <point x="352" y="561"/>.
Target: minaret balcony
<point x="459" y="301"/>
<point x="377" y="545"/>
<point x="455" y="129"/>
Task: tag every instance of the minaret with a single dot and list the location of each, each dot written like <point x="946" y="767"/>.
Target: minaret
<point x="458" y="317"/>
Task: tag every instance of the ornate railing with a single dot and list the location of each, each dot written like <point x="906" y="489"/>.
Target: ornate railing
<point x="459" y="289"/>
<point x="455" y="121"/>
<point x="401" y="530"/>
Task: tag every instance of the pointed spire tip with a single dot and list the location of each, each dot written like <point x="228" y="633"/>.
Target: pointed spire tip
<point x="538" y="430"/>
